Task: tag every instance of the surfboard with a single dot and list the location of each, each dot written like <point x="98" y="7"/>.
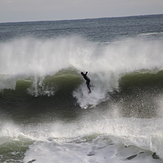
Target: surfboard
<point x="89" y="106"/>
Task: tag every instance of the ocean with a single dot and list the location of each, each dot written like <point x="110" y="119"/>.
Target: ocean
<point x="47" y="114"/>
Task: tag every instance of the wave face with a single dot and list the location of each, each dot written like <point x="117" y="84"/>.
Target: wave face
<point x="46" y="112"/>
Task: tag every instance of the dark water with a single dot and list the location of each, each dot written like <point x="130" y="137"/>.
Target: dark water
<point x="101" y="30"/>
<point x="45" y="107"/>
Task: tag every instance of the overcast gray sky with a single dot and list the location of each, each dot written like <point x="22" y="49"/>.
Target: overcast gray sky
<point x="36" y="10"/>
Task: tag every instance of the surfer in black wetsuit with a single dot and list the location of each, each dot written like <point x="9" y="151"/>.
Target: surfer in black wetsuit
<point x="87" y="80"/>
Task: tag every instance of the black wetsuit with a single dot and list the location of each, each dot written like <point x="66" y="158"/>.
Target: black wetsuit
<point x="87" y="80"/>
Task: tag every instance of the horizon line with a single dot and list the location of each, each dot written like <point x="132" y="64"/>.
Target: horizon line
<point x="76" y="19"/>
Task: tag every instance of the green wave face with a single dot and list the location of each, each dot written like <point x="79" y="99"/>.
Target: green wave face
<point x="141" y="80"/>
<point x="32" y="99"/>
<point x="52" y="97"/>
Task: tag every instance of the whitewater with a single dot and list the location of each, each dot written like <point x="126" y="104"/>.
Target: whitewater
<point x="46" y="112"/>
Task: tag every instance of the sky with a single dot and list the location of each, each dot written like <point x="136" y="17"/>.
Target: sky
<point x="40" y="10"/>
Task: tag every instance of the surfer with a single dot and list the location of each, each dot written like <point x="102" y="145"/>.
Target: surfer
<point x="87" y="80"/>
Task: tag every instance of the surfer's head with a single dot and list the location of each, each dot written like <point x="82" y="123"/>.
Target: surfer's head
<point x="82" y="73"/>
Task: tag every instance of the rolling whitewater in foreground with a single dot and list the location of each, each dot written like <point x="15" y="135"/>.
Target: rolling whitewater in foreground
<point x="46" y="112"/>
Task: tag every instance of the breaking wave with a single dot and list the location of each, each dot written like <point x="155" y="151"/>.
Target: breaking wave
<point x="43" y="73"/>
